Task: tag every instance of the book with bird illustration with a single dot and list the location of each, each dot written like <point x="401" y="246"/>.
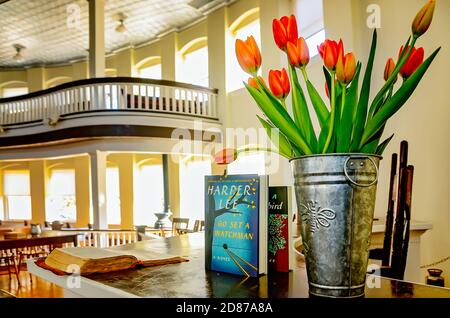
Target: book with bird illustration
<point x="236" y="224"/>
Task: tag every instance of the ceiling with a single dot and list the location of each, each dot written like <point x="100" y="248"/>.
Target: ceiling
<point x="56" y="31"/>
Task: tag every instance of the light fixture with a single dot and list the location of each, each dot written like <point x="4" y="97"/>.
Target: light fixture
<point x="18" y="56"/>
<point x="121" y="18"/>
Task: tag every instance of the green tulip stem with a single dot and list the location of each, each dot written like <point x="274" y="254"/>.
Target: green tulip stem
<point x="344" y="89"/>
<point x="332" y="114"/>
<point x="305" y="75"/>
<point x="254" y="149"/>
<point x="283" y="102"/>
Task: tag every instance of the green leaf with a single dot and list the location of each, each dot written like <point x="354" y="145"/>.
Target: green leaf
<point x="346" y="125"/>
<point x="283" y="146"/>
<point x="383" y="145"/>
<point x="371" y="146"/>
<point x="361" y="112"/>
<point x="318" y="104"/>
<point x="377" y="101"/>
<point x="397" y="100"/>
<point x="323" y="135"/>
<point x="301" y="112"/>
<point x="278" y="115"/>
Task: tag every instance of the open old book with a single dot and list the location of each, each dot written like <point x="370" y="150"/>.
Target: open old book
<point x="92" y="260"/>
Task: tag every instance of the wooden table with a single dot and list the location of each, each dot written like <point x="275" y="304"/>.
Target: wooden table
<point x="190" y="279"/>
<point x="45" y="238"/>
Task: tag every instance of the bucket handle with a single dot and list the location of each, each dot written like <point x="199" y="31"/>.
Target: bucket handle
<point x="356" y="183"/>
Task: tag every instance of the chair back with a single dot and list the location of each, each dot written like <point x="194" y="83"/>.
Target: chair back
<point x="179" y="224"/>
<point x="199" y="225"/>
<point x="395" y="246"/>
<point x="56" y="225"/>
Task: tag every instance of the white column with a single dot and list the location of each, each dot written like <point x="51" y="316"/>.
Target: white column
<point x="98" y="186"/>
<point x="96" y="38"/>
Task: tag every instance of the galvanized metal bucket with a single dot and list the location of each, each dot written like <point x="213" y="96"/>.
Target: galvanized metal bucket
<point x="335" y="198"/>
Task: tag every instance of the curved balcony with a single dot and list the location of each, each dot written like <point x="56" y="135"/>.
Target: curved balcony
<point x="104" y="107"/>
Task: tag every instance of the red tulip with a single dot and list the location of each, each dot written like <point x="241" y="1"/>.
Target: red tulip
<point x="285" y="30"/>
<point x="423" y="19"/>
<point x="346" y="68"/>
<point x="279" y="83"/>
<point x="225" y="156"/>
<point x="253" y="83"/>
<point x="330" y="51"/>
<point x="413" y="62"/>
<point x="389" y="69"/>
<point x="298" y="52"/>
<point x="248" y="55"/>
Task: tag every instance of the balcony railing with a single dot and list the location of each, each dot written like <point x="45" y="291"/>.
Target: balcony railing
<point x="109" y="94"/>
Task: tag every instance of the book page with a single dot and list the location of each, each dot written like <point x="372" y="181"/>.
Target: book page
<point x="141" y="255"/>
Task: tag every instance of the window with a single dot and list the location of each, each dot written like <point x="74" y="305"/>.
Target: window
<point x="152" y="72"/>
<point x="236" y="75"/>
<point x="252" y="163"/>
<point x="310" y="23"/>
<point x="14" y="91"/>
<point x="194" y="67"/>
<point x="61" y="204"/>
<point x="192" y="181"/>
<point x="113" y="195"/>
<point x="149" y="190"/>
<point x="17" y="199"/>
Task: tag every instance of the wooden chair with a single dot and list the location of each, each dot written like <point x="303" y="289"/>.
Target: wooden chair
<point x="32" y="252"/>
<point x="199" y="225"/>
<point x="179" y="225"/>
<point x="8" y="260"/>
<point x="396" y="237"/>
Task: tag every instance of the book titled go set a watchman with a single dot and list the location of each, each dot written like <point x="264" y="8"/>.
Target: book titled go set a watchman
<point x="236" y="224"/>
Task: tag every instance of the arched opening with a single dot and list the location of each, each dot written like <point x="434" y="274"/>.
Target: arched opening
<point x="13" y="88"/>
<point x="193" y="62"/>
<point x="149" y="67"/>
<point x="58" y="81"/>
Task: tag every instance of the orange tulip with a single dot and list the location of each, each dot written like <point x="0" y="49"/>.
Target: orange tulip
<point x="423" y="19"/>
<point x="413" y="62"/>
<point x="248" y="55"/>
<point x="330" y="51"/>
<point x="298" y="52"/>
<point x="346" y="68"/>
<point x="225" y="156"/>
<point x="279" y="83"/>
<point x="284" y="31"/>
<point x="389" y="69"/>
<point x="253" y="83"/>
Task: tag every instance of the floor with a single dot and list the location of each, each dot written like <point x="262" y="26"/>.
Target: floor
<point x="38" y="288"/>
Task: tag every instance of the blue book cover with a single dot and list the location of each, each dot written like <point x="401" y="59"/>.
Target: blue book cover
<point x="232" y="224"/>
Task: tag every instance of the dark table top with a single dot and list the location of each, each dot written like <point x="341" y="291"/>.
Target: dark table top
<point x="190" y="279"/>
<point x="45" y="238"/>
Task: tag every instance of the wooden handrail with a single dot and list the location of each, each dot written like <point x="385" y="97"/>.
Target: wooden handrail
<point x="109" y="80"/>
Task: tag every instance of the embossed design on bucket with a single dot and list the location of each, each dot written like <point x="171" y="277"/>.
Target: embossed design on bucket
<point x="344" y="186"/>
<point x="315" y="216"/>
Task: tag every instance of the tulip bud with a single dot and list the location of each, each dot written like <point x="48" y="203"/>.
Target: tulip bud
<point x="248" y="55"/>
<point x="413" y="62"/>
<point x="346" y="68"/>
<point x="423" y="19"/>
<point x="285" y="30"/>
<point x="298" y="52"/>
<point x="330" y="51"/>
<point x="253" y="83"/>
<point x="225" y="156"/>
<point x="279" y="83"/>
<point x="389" y="69"/>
